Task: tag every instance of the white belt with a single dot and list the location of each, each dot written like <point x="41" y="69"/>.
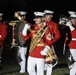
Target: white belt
<point x="74" y="39"/>
<point x="41" y="45"/>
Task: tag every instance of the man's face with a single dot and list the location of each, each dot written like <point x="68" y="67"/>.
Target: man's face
<point x="0" y="18"/>
<point x="23" y="17"/>
<point x="38" y="20"/>
<point x="48" y="17"/>
<point x="63" y="21"/>
<point x="73" y="20"/>
<point x="43" y="19"/>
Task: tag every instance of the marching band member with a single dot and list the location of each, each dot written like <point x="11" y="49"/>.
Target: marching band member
<point x="55" y="36"/>
<point x="40" y="42"/>
<point x="72" y="45"/>
<point x="64" y="30"/>
<point x="3" y="33"/>
<point x="21" y="50"/>
<point x="73" y="18"/>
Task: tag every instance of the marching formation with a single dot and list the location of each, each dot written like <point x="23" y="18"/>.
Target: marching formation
<point x="37" y="41"/>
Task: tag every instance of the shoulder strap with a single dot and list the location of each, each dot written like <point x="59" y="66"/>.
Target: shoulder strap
<point x="37" y="38"/>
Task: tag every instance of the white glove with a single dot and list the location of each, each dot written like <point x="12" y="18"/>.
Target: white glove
<point x="26" y="27"/>
<point x="45" y="50"/>
<point x="70" y="25"/>
<point x="0" y="36"/>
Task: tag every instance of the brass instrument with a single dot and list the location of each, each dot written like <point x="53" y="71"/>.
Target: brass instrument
<point x="13" y="23"/>
<point x="17" y="15"/>
<point x="52" y="57"/>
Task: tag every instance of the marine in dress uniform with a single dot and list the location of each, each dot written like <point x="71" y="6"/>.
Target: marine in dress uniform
<point x="3" y="33"/>
<point x="36" y="59"/>
<point x="55" y="35"/>
<point x="73" y="19"/>
<point x="21" y="50"/>
<point x="72" y="45"/>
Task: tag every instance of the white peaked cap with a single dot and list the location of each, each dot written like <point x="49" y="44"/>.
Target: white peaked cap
<point x="73" y="15"/>
<point x="1" y="14"/>
<point x="71" y="12"/>
<point x="39" y="14"/>
<point x="22" y="12"/>
<point x="43" y="13"/>
<point x="48" y="11"/>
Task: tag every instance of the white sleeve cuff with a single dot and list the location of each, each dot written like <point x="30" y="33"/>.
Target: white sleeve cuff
<point x="47" y="47"/>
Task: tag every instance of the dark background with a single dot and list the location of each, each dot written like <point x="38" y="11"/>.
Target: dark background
<point x="8" y="7"/>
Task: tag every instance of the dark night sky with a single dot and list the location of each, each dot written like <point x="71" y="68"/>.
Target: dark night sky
<point x="8" y="7"/>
